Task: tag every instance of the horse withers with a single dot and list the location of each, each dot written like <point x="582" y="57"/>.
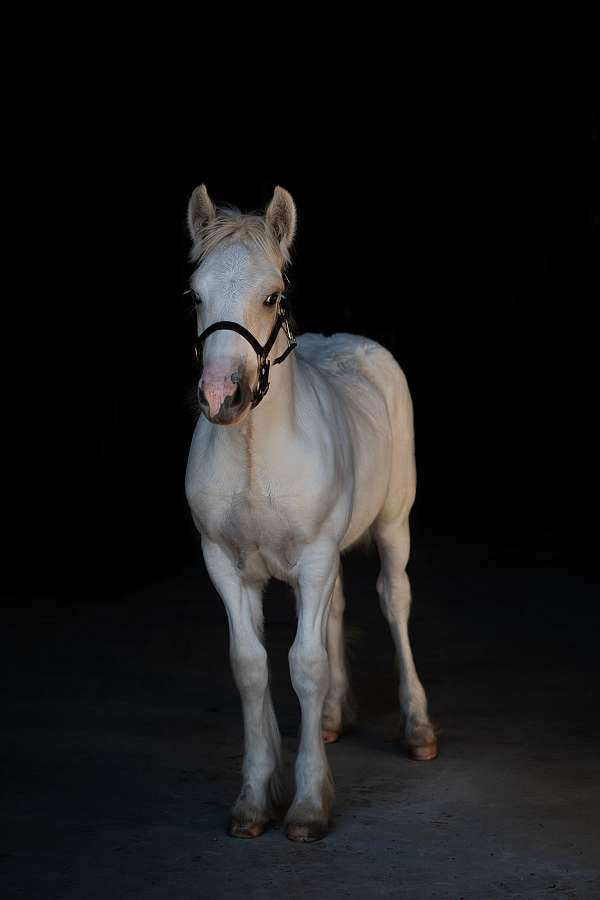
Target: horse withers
<point x="296" y="456"/>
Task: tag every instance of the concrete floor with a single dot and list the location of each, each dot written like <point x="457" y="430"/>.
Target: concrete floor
<point x="122" y="744"/>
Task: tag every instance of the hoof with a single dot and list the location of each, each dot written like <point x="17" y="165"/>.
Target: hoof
<point x="330" y="737"/>
<point x="423" y="752"/>
<point x="306" y="832"/>
<point x="240" y="830"/>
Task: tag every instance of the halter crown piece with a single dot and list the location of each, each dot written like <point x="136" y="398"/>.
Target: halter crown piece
<point x="262" y="352"/>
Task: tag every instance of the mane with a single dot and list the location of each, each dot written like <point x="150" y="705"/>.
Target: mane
<point x="230" y="222"/>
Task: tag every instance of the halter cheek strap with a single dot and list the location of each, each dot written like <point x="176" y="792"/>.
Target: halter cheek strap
<point x="262" y="352"/>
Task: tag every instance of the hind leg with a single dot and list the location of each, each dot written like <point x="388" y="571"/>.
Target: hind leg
<point x="393" y="587"/>
<point x="337" y="706"/>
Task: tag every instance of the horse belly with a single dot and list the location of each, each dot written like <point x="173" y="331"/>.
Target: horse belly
<point x="372" y="443"/>
<point x="370" y="491"/>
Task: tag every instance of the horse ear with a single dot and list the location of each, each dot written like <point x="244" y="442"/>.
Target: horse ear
<point x="200" y="211"/>
<point x="281" y="218"/>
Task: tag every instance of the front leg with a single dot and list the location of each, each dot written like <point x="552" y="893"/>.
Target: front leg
<point x="309" y="813"/>
<point x="262" y="769"/>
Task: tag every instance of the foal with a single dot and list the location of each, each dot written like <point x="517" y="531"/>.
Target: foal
<point x="296" y="477"/>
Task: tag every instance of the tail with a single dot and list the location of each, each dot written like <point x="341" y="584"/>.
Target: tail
<point x="352" y="638"/>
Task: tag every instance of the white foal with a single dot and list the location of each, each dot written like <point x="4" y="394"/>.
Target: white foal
<point x="298" y="475"/>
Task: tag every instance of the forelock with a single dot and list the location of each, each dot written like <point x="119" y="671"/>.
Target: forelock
<point x="230" y="223"/>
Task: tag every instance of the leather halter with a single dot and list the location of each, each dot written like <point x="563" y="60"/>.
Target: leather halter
<point x="262" y="352"/>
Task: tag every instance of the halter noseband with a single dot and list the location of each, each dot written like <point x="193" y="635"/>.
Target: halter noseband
<point x="262" y="352"/>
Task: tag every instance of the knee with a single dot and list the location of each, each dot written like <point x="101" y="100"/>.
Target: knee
<point x="394" y="597"/>
<point x="309" y="670"/>
<point x="250" y="669"/>
<point x="384" y="594"/>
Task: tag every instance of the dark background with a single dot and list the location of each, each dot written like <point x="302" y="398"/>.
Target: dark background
<point x="455" y="220"/>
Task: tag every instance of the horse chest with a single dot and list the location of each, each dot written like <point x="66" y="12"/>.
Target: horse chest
<point x="257" y="529"/>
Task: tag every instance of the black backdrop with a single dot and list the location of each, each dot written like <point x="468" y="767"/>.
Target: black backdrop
<point x="455" y="220"/>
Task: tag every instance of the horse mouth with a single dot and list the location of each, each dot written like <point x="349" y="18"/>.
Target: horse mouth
<point x="232" y="408"/>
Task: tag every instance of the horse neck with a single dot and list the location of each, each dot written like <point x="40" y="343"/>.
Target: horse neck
<point x="274" y="415"/>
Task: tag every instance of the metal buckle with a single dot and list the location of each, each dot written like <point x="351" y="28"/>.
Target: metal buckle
<point x="288" y="331"/>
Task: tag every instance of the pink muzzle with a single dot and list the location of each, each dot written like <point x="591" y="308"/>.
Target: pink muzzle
<point x="217" y="385"/>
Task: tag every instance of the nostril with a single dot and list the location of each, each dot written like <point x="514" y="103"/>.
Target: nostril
<point x="218" y="392"/>
<point x="236" y="398"/>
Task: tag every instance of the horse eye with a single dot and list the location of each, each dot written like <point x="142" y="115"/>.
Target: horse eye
<point x="271" y="299"/>
<point x="195" y="297"/>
